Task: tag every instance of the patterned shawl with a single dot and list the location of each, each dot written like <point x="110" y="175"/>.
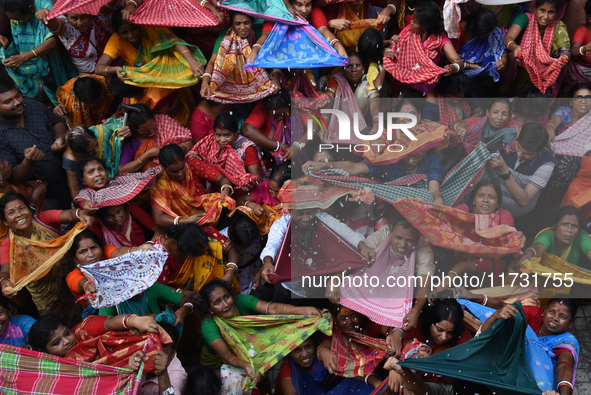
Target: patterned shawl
<point x="23" y="371"/>
<point x="225" y="158"/>
<point x="575" y="140"/>
<point x="412" y="63"/>
<point x="481" y="131"/>
<point x="79" y="113"/>
<point x="542" y="69"/>
<point x="448" y="115"/>
<point x="230" y="82"/>
<point x="120" y="190"/>
<point x="268" y="10"/>
<point x="159" y="65"/>
<point x="386" y="305"/>
<point x="277" y="336"/>
<point x="554" y="267"/>
<point x="485" y="52"/>
<point x="119" y="279"/>
<point x="357" y="354"/>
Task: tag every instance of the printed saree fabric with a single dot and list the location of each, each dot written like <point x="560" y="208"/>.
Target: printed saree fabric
<point x="79" y="113"/>
<point x="479" y="235"/>
<point x="182" y="13"/>
<point x="553" y="267"/>
<point x="109" y="144"/>
<point x="412" y="63"/>
<point x="346" y="102"/>
<point x="119" y="279"/>
<point x="485" y="52"/>
<point x="541" y="67"/>
<point x="429" y="135"/>
<point x="268" y="10"/>
<point x="575" y="140"/>
<point x="279" y="50"/>
<point x="230" y="82"/>
<point x="159" y="65"/>
<point x="23" y="371"/>
<point x="264" y="340"/>
<point x="579" y="190"/>
<point x="265" y="221"/>
<point x="120" y="190"/>
<point x="357" y="354"/>
<point x="481" y="131"/>
<point x="113" y="348"/>
<point x="349" y="37"/>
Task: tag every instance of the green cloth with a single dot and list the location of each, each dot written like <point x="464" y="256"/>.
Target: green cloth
<point x="246" y="305"/>
<point x="109" y="144"/>
<point x="258" y="32"/>
<point x="155" y="294"/>
<point x="581" y="244"/>
<point x="496" y="359"/>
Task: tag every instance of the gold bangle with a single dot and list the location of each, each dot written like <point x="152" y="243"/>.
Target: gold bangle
<point x="230" y="363"/>
<point x="182" y="53"/>
<point x="509" y="43"/>
<point x="284" y="309"/>
<point x="34" y="53"/>
<point x="139" y="160"/>
<point x="107" y="70"/>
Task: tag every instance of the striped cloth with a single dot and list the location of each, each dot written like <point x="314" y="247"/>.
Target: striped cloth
<point x="576" y="140"/>
<point x="183" y="13"/>
<point x="62" y="7"/>
<point x="24" y="371"/>
<point x="455" y="187"/>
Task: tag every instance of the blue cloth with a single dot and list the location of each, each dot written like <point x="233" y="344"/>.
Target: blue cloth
<point x="430" y="165"/>
<point x="317" y="381"/>
<point x="296" y="47"/>
<point x="485" y="52"/>
<point x="17" y="331"/>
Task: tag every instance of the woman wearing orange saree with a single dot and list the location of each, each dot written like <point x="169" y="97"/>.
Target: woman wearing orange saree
<point x="179" y="196"/>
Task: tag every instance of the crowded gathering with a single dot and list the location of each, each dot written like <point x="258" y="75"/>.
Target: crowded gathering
<point x="294" y="197"/>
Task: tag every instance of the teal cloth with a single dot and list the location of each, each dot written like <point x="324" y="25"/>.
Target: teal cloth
<point x="263" y="10"/>
<point x="111" y="144"/>
<point x="496" y="359"/>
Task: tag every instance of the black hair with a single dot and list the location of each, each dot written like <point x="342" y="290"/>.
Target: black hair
<point x="82" y="164"/>
<point x="5" y="303"/>
<point x="588" y="8"/>
<point x="22" y="7"/>
<point x="371" y="46"/>
<point x="173" y="332"/>
<point x="483" y="183"/>
<point x="7" y="198"/>
<point x="137" y="119"/>
<point x="443" y="310"/>
<point x="555" y="3"/>
<point x="280" y="100"/>
<point x="533" y="137"/>
<point x="171" y="154"/>
<point x="243" y="230"/>
<point x="226" y="121"/>
<point x="429" y="18"/>
<point x="207" y="290"/>
<point x="190" y="239"/>
<point x="481" y="22"/>
<point x="120" y="89"/>
<point x="78" y="138"/>
<point x="85" y="234"/>
<point x="571" y="304"/>
<point x="42" y="330"/>
<point x="117" y="19"/>
<point x="281" y="173"/>
<point x="203" y="382"/>
<point x="453" y="85"/>
<point x="579" y="86"/>
<point x="492" y="102"/>
<point x="364" y="61"/>
<point x="233" y="14"/>
<point x="6" y="85"/>
<point x="87" y="90"/>
<point x="400" y="220"/>
<point x="560" y="212"/>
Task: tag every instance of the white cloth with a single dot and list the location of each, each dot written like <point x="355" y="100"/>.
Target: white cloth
<point x="452" y="16"/>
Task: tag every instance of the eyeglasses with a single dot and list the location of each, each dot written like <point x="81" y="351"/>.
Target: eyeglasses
<point x="353" y="66"/>
<point x="579" y="99"/>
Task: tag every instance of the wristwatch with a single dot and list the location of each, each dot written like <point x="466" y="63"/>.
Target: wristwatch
<point x="506" y="175"/>
<point x="168" y="391"/>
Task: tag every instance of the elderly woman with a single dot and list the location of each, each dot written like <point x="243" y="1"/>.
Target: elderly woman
<point x="32" y="59"/>
<point x="84" y="36"/>
<point x="28" y="233"/>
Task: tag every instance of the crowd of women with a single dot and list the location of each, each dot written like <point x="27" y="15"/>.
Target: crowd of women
<point x="175" y="198"/>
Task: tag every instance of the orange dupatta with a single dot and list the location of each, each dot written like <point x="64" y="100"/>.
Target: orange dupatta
<point x="263" y="222"/>
<point x="144" y="147"/>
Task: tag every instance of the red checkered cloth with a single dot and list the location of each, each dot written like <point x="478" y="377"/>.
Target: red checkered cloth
<point x="184" y="13"/>
<point x="24" y="371"/>
<point x="121" y="189"/>
<point x="447" y="115"/>
<point x="62" y="7"/>
<point x="412" y="63"/>
<point x="170" y="131"/>
<point x="541" y="67"/>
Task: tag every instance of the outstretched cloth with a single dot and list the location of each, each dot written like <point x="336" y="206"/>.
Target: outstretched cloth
<point x="264" y="340"/>
<point x="485" y="52"/>
<point x="267" y="10"/>
<point x="296" y="47"/>
<point x="359" y="23"/>
<point x="160" y="65"/>
<point x="32" y="258"/>
<point x="62" y="7"/>
<point x="412" y="61"/>
<point x="120" y="190"/>
<point x="182" y="13"/>
<point x="357" y="354"/>
<point x="496" y="358"/>
<point x="456" y="185"/>
<point x="479" y="235"/>
<point x="551" y="266"/>
<point x="579" y="190"/>
<point x="541" y="67"/>
<point x="23" y="371"/>
<point x="109" y="144"/>
<point x="538" y="350"/>
<point x="265" y="221"/>
<point x="452" y="16"/>
<point x="576" y="140"/>
<point x="119" y="279"/>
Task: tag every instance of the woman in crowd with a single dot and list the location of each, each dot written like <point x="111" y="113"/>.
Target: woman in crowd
<point x="565" y="117"/>
<point x="123" y="225"/>
<point x="14" y="328"/>
<point x="266" y="192"/>
<point x="31" y="232"/>
<point x="579" y="70"/>
<point x="204" y="117"/>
